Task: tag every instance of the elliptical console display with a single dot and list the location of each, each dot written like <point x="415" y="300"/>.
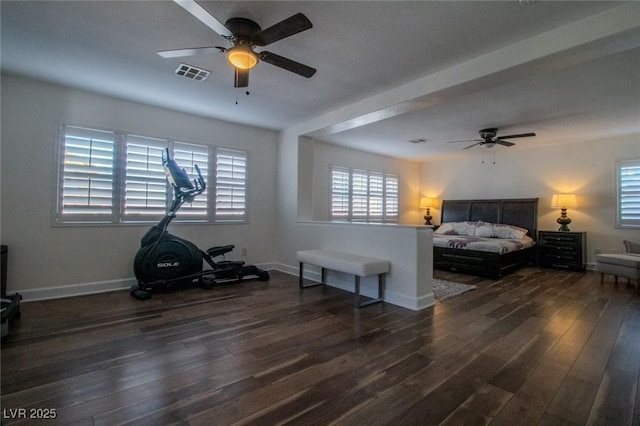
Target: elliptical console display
<point x="165" y="260"/>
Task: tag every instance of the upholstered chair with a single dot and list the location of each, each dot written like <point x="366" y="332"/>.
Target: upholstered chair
<point x="631" y="246"/>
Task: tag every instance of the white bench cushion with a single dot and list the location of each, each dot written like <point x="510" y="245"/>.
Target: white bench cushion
<point x="344" y="262"/>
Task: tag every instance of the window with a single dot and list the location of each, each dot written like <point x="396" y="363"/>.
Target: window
<point x="188" y="156"/>
<point x="362" y="195"/>
<point x="231" y="189"/>
<point x="145" y="185"/>
<point x="113" y="177"/>
<point x="628" y="193"/>
<point x="88" y="164"/>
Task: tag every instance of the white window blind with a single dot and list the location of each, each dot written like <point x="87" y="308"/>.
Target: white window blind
<point x="145" y="184"/>
<point x="362" y="195"/>
<point x="628" y="193"/>
<point x="340" y="193"/>
<point x="376" y="196"/>
<point x="359" y="194"/>
<point x="187" y="156"/>
<point x="391" y="197"/>
<point x="87" y="184"/>
<point x="231" y="185"/>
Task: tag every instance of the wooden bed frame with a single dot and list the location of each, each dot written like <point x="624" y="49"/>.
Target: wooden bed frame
<point x="521" y="212"/>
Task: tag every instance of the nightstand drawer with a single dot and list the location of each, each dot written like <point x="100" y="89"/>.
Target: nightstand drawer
<point x="562" y="250"/>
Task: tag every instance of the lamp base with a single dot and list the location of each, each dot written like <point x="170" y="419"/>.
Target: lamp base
<point x="563" y="220"/>
<point x="427" y="218"/>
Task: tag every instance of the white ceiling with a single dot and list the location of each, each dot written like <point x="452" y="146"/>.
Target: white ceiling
<point x="369" y="54"/>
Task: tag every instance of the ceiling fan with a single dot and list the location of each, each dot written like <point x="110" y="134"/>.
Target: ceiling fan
<point x="244" y="34"/>
<point x="489" y="139"/>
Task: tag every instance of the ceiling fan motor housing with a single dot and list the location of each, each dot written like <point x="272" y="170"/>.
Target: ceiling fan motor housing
<point x="243" y="29"/>
<point x="488" y="133"/>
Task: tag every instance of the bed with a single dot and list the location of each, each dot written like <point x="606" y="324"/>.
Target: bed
<point x="484" y="251"/>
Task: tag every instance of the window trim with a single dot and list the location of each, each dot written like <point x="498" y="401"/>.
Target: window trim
<point x="350" y="216"/>
<point x="117" y="216"/>
<point x="633" y="223"/>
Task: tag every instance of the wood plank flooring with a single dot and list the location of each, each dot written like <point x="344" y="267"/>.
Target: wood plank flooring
<point x="537" y="347"/>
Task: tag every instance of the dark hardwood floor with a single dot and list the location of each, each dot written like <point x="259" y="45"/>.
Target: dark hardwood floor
<point x="537" y="347"/>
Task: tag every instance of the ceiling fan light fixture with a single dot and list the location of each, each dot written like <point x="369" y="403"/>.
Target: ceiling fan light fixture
<point x="242" y="57"/>
<point x="489" y="144"/>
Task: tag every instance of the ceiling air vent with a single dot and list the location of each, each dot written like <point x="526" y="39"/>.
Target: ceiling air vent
<point x="419" y="140"/>
<point x="192" y="73"/>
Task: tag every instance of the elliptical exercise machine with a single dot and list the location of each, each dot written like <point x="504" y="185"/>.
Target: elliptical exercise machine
<point x="165" y="260"/>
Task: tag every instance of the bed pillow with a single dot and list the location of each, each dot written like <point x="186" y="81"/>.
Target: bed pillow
<point x="458" y="228"/>
<point x="498" y="230"/>
<point x="484" y="230"/>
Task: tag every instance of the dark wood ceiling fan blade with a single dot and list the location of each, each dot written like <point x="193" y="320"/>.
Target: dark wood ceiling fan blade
<point x="283" y="29"/>
<point x="466" y="140"/>
<point x="471" y="146"/>
<point x="179" y="53"/>
<point x="504" y="143"/>
<point x="287" y="64"/>
<point x="205" y="17"/>
<point x="521" y="135"/>
<point x="240" y="78"/>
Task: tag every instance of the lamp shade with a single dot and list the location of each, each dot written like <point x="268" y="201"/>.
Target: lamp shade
<point x="426" y="202"/>
<point x="242" y="57"/>
<point x="560" y="201"/>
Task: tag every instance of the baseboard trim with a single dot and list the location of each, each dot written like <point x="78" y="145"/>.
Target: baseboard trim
<point x="82" y="289"/>
<point x="31" y="295"/>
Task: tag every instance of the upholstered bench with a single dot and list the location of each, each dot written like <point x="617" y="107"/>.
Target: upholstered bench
<point x="623" y="265"/>
<point x="360" y="266"/>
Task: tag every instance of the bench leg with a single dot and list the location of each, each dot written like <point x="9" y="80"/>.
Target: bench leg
<point x="301" y="274"/>
<point x="301" y="279"/>
<point x="380" y="298"/>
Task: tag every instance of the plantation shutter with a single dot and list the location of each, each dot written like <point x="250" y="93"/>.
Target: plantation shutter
<point x="187" y="156"/>
<point x="391" y="197"/>
<point x="231" y="185"/>
<point x="359" y="191"/>
<point x="362" y="195"/>
<point x="145" y="187"/>
<point x="87" y="175"/>
<point x="376" y="196"/>
<point x="339" y="193"/>
<point x="628" y="193"/>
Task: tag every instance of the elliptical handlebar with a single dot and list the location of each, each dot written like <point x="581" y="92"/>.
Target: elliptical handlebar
<point x="184" y="188"/>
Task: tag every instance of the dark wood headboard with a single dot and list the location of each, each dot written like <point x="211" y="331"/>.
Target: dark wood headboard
<point x="522" y="212"/>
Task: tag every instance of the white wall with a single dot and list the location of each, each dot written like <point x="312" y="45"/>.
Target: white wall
<point x="585" y="168"/>
<point x="65" y="260"/>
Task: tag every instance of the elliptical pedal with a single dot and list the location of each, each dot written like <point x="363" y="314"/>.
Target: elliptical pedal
<point x="138" y="293"/>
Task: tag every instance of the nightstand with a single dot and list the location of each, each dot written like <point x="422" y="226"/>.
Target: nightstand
<point x="566" y="250"/>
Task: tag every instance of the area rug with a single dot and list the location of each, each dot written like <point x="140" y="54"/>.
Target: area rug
<point x="443" y="290"/>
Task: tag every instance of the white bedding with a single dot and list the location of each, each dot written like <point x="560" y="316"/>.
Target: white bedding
<point x="493" y="245"/>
